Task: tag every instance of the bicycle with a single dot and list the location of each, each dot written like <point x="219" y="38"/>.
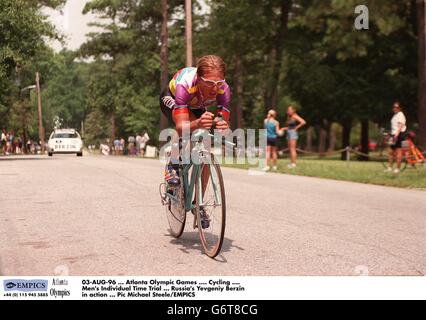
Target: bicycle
<point x="411" y="154"/>
<point x="202" y="198"/>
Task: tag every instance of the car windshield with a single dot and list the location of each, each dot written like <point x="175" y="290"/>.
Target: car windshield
<point x="65" y="136"/>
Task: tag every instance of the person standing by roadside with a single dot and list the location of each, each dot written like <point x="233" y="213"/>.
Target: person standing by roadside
<point x="293" y="124"/>
<point x="272" y="127"/>
<point x="3" y="141"/>
<point x="138" y="143"/>
<point x="8" y="143"/>
<point x="398" y="134"/>
<point x="122" y="145"/>
<point x="131" y="145"/>
<point x="116" y="144"/>
<point x="29" y="146"/>
<point x="144" y="141"/>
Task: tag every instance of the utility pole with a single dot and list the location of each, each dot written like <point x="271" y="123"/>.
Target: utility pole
<point x="188" y="14"/>
<point x="421" y="20"/>
<point x="164" y="56"/>
<point x="40" y="114"/>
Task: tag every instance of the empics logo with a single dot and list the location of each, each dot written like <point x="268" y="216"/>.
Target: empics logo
<point x="10" y="285"/>
<point x="25" y="285"/>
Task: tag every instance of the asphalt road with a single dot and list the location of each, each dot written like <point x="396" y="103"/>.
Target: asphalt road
<point x="102" y="216"/>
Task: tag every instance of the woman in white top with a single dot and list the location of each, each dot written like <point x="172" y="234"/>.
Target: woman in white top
<point x="398" y="130"/>
<point x="3" y="141"/>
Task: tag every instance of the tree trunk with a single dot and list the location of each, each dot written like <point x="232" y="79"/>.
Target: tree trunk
<point x="277" y="56"/>
<point x="164" y="54"/>
<point x="113" y="129"/>
<point x="364" y="140"/>
<point x="421" y="18"/>
<point x="309" y="138"/>
<point x="322" y="141"/>
<point x="237" y="109"/>
<point x="346" y="138"/>
<point x="332" y="139"/>
<point x="188" y="32"/>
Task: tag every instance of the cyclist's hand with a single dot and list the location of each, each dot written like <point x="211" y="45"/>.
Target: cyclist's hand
<point x="221" y="124"/>
<point x="206" y="120"/>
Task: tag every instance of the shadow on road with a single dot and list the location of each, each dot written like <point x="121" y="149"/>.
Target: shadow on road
<point x="190" y="241"/>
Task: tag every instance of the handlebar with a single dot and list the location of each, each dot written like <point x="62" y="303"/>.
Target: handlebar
<point x="199" y="135"/>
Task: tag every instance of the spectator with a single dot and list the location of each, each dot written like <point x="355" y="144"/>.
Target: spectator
<point x="122" y="143"/>
<point x="144" y="141"/>
<point x="272" y="127"/>
<point x="105" y="149"/>
<point x="117" y="147"/>
<point x="138" y="143"/>
<point x="398" y="134"/>
<point x="131" y="145"/>
<point x="29" y="146"/>
<point x="3" y="141"/>
<point x="11" y="140"/>
<point x="294" y="123"/>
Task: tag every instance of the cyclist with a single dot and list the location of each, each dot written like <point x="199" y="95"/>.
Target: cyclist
<point x="188" y="95"/>
<point x="398" y="130"/>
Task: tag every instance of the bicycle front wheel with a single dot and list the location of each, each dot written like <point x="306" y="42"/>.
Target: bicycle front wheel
<point x="210" y="207"/>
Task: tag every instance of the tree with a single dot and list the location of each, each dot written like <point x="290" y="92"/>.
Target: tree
<point x="64" y="95"/>
<point x="22" y="45"/>
<point x="352" y="75"/>
<point x="277" y="49"/>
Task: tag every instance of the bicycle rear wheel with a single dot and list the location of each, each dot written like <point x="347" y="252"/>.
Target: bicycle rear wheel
<point x="175" y="210"/>
<point x="210" y="206"/>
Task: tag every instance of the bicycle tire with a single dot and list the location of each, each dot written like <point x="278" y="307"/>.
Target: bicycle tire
<point x="211" y="250"/>
<point x="175" y="212"/>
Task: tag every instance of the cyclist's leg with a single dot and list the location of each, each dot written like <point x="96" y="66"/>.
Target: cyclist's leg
<point x="205" y="175"/>
<point x="167" y="104"/>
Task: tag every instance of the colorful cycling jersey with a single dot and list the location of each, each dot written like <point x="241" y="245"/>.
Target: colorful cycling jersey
<point x="185" y="90"/>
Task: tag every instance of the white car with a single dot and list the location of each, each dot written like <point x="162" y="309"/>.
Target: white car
<point x="65" y="141"/>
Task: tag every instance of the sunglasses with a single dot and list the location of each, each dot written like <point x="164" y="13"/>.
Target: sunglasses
<point x="212" y="83"/>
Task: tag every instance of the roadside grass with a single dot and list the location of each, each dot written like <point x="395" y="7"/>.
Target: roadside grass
<point x="355" y="171"/>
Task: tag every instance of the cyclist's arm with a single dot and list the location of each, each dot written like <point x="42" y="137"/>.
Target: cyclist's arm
<point x="224" y="101"/>
<point x="181" y="114"/>
<point x="181" y="117"/>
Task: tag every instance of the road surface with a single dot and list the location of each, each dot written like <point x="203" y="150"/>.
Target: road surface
<point x="102" y="216"/>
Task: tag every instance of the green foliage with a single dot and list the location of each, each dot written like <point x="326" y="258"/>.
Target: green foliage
<point x="332" y="72"/>
<point x="65" y="94"/>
